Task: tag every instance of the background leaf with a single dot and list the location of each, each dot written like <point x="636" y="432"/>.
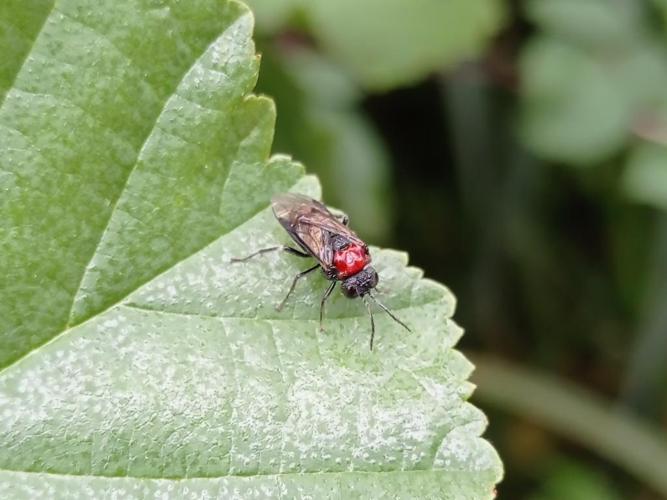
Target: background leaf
<point x="385" y="43"/>
<point x="135" y="359"/>
<point x="646" y="176"/>
<point x="590" y="79"/>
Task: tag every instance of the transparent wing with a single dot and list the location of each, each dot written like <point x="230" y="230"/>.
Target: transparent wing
<point x="310" y="224"/>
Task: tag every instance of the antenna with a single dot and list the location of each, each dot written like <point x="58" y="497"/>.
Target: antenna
<point x="370" y="313"/>
<point x="385" y="309"/>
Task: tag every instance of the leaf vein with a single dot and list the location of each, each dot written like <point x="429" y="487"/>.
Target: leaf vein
<point x="231" y="476"/>
<point x="129" y="176"/>
<point x="27" y="54"/>
<point x="255" y="318"/>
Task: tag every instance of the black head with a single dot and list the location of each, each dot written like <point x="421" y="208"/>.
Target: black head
<point x="361" y="283"/>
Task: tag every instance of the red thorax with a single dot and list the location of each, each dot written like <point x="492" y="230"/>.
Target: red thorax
<point x="350" y="260"/>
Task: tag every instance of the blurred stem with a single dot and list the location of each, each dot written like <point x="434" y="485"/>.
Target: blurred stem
<point x="468" y="105"/>
<point x="644" y="383"/>
<point x="468" y="108"/>
<point x="576" y="414"/>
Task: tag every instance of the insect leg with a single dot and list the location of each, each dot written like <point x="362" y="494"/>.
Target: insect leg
<point x="296" y="252"/>
<point x="324" y="299"/>
<point x="291" y="288"/>
<point x="370" y="313"/>
<point x="285" y="248"/>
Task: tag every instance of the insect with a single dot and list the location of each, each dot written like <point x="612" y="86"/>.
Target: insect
<point x="339" y="252"/>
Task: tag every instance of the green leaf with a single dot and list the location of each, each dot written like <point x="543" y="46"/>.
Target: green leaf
<point x="587" y="79"/>
<point x="387" y="43"/>
<point x="591" y="23"/>
<point x="573" y="110"/>
<point x="20" y="20"/>
<point x="645" y="178"/>
<point x="135" y="359"/>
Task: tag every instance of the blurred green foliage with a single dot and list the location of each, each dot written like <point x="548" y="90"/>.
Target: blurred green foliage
<point x="518" y="150"/>
<point x="384" y="43"/>
<point x="323" y="127"/>
<point x="567" y="479"/>
<point x="372" y="44"/>
<point x="594" y="77"/>
<point x="595" y="85"/>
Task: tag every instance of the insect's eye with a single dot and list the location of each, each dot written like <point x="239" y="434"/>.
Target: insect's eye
<point x="374" y="278"/>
